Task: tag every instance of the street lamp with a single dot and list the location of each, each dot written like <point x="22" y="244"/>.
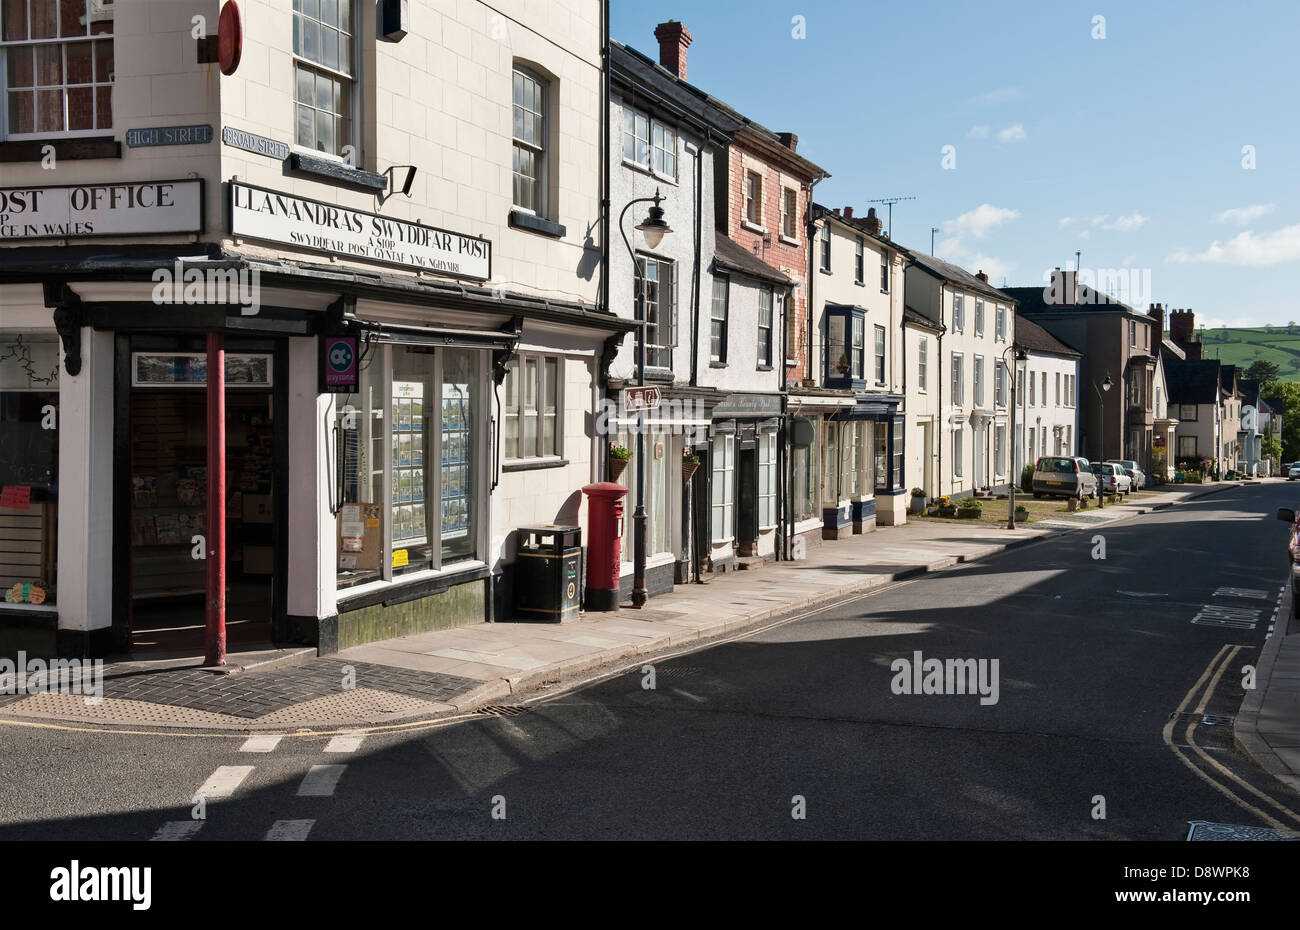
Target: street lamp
<point x="1101" y="435"/>
<point x="653" y="229"/>
<point x="1020" y="356"/>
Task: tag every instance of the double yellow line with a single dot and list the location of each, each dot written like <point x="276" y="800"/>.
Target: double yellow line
<point x="1214" y="673"/>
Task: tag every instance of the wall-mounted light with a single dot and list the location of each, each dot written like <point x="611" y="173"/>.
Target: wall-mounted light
<point x="394" y="19"/>
<point x="409" y="180"/>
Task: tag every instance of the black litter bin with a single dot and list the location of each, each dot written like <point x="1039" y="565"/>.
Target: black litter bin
<point x="548" y="573"/>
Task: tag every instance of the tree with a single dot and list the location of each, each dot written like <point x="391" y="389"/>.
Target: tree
<point x="1288" y="392"/>
<point x="1263" y="370"/>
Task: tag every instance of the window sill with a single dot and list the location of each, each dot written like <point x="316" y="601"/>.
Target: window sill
<point x="860" y="283"/>
<point x="787" y="240"/>
<point x="763" y="368"/>
<point x="825" y="270"/>
<point x="659" y="374"/>
<point x="754" y="227"/>
<point x="69" y="149"/>
<point x="649" y="172"/>
<point x="533" y="464"/>
<point x="337" y="171"/>
<point x="521" y="219"/>
<point x="714" y="363"/>
<point x="412" y="586"/>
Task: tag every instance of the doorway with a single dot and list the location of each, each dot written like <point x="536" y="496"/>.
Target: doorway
<point x="168" y="580"/>
<point x="747" y="496"/>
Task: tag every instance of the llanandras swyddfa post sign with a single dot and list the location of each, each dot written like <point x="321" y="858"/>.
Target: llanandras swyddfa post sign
<point x="259" y="213"/>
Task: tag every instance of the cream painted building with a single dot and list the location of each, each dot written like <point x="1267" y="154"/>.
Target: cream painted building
<point x="970" y="436"/>
<point x="414" y="356"/>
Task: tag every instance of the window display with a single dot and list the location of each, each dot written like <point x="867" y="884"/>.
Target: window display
<point x="29" y="462"/>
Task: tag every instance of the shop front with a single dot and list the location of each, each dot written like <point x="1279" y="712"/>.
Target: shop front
<point x="744" y="479"/>
<point x="869" y="444"/>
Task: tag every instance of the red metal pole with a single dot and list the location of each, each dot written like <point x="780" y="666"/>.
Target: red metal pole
<point x="215" y="635"/>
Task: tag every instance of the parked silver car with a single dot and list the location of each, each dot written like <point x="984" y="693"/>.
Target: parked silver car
<point x="1063" y="476"/>
<point x="1114" y="480"/>
<point x="1135" y="474"/>
<point x="1293" y="471"/>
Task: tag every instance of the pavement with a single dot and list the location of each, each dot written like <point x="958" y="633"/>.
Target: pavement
<point x="488" y="667"/>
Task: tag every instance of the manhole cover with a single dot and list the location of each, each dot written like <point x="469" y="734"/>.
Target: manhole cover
<point x="1204" y="830"/>
<point x="501" y="710"/>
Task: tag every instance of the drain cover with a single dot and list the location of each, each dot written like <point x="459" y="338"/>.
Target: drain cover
<point x="1204" y="830"/>
<point x="501" y="710"/>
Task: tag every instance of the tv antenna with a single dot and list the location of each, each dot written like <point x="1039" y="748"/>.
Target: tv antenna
<point x="890" y="201"/>
<point x="933" y="231"/>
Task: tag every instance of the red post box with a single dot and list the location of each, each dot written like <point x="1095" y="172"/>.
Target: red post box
<point x="604" y="544"/>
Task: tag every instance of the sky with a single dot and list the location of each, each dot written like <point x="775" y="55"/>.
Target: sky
<point x="1159" y="139"/>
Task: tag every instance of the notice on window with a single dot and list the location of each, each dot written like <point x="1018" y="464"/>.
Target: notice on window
<point x="359" y="547"/>
<point x="400" y="559"/>
<point x="352" y="526"/>
<point x="17" y="496"/>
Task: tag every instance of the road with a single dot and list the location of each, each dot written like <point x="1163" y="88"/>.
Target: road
<point x="1095" y="656"/>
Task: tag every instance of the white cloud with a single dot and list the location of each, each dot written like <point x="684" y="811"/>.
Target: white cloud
<point x="1128" y="223"/>
<point x="1244" y="215"/>
<point x="1065" y="221"/>
<point x="995" y="268"/>
<point x="1001" y="95"/>
<point x="1013" y="133"/>
<point x="979" y="132"/>
<point x="979" y="221"/>
<point x="1249" y="249"/>
<point x="1085" y="235"/>
<point x="1100" y="218"/>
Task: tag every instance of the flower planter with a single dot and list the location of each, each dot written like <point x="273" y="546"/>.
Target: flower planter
<point x="688" y="470"/>
<point x="968" y="513"/>
<point x="616" y="468"/>
<point x="947" y="511"/>
<point x="1021" y="515"/>
<point x="918" y="504"/>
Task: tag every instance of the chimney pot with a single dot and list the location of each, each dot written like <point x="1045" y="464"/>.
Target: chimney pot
<point x="982" y="276"/>
<point x="848" y="212"/>
<point x="873" y="223"/>
<point x="836" y="211"/>
<point x="674" y="38"/>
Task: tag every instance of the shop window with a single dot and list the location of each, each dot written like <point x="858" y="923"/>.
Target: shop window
<point x="805" y="461"/>
<point x="29" y="463"/>
<point x="766" y="480"/>
<point x="830" y="466"/>
<point x="414" y="427"/>
<point x="58" y="67"/>
<point x="658" y="447"/>
<point x="896" y="479"/>
<point x="881" y="455"/>
<point x="723" y="481"/>
<point x="530" y="407"/>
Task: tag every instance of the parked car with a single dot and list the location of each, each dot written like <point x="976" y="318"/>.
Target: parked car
<point x="1293" y="471"/>
<point x="1293" y="549"/>
<point x="1135" y="474"/>
<point x="1113" y="479"/>
<point x="1063" y="476"/>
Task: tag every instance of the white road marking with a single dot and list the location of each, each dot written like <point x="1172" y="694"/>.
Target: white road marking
<point x="321" y="781"/>
<point x="223" y="782"/>
<point x="289" y="830"/>
<point x="1241" y="592"/>
<point x="349" y="742"/>
<point x="176" y="830"/>
<point x="265" y="742"/>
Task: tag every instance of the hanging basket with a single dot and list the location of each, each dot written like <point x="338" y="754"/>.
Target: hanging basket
<point x="616" y="468"/>
<point x="688" y="470"/>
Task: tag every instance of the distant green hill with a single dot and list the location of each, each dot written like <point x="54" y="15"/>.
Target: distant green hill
<point x="1241" y="346"/>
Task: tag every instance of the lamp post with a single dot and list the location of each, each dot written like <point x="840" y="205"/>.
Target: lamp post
<point x="1020" y="356"/>
<point x="653" y="229"/>
<point x="1101" y="435"/>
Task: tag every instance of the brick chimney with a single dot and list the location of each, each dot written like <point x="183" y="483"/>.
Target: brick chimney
<point x="674" y="38"/>
<point x="835" y="210"/>
<point x="873" y="222"/>
<point x="848" y="213"/>
<point x="982" y="276"/>
<point x="1182" y="331"/>
<point x="789" y="140"/>
<point x="1157" y="313"/>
